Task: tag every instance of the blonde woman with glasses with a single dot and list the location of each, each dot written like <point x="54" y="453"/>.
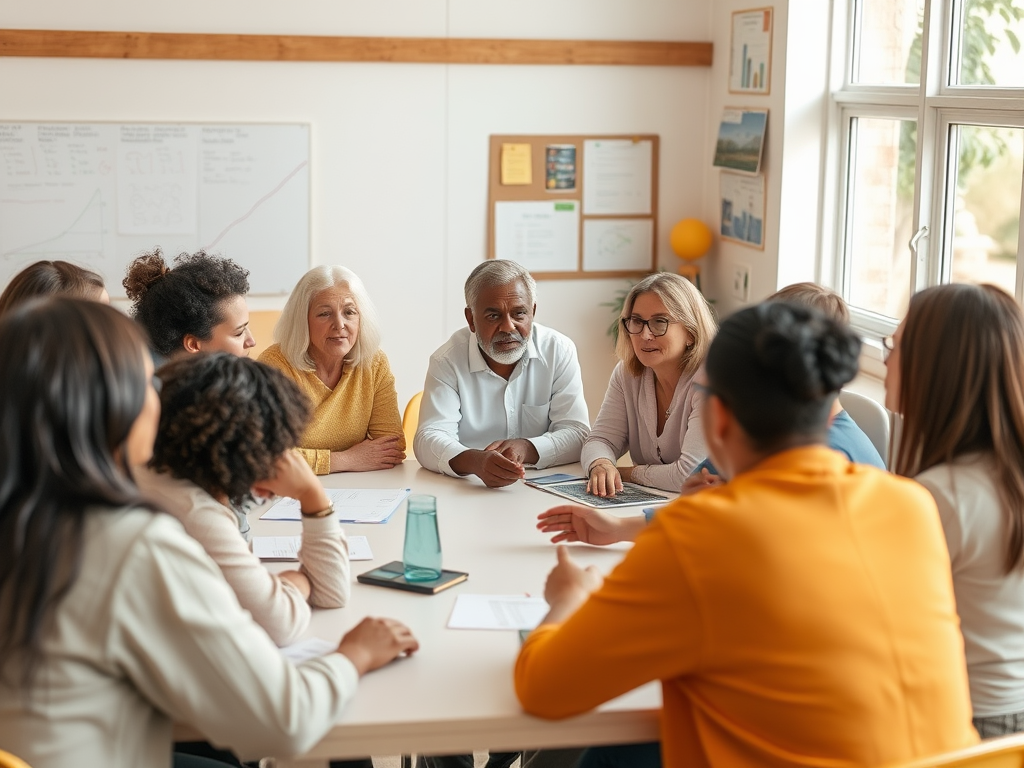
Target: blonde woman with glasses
<point x="651" y="407"/>
<point x="955" y="371"/>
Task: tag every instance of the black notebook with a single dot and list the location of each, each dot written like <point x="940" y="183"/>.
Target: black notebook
<point x="393" y="575"/>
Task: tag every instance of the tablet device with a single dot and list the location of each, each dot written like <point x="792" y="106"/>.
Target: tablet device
<point x="630" y="496"/>
<point x="393" y="575"/>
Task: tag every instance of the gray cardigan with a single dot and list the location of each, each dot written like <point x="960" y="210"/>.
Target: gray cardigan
<point x="629" y="420"/>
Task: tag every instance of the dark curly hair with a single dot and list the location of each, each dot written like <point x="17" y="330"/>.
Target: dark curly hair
<point x="224" y="422"/>
<point x="173" y="302"/>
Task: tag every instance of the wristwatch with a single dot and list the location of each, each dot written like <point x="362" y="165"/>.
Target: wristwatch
<point x="321" y="513"/>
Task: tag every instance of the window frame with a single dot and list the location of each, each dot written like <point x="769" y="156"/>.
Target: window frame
<point x="937" y="105"/>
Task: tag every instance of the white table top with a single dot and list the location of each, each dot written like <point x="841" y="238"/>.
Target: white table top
<point x="456" y="693"/>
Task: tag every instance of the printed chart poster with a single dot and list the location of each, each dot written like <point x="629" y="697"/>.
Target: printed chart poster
<point x="751" y="54"/>
<point x="741" y="139"/>
<point x="743" y="208"/>
<point x="560" y="168"/>
<point x="542" y="236"/>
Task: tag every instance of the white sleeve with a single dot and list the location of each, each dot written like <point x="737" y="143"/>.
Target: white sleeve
<point x="570" y="421"/>
<point x="323" y="558"/>
<point x="189" y="648"/>
<point x="276" y="604"/>
<point x="951" y="527"/>
<point x="437" y="437"/>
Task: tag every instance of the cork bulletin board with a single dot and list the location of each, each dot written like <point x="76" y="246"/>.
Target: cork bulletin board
<point x="574" y="206"/>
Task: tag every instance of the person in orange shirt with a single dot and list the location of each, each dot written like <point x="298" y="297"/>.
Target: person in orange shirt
<point x="802" y="614"/>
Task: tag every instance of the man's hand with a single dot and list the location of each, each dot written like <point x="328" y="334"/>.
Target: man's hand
<point x="568" y="587"/>
<point x="591" y="526"/>
<point x="520" y="451"/>
<point x="493" y="468"/>
<point x="372" y="643"/>
<point x="695" y="483"/>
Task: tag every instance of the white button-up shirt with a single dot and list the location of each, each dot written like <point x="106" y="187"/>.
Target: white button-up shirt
<point x="466" y="405"/>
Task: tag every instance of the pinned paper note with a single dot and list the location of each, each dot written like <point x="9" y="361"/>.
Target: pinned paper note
<point x="516" y="165"/>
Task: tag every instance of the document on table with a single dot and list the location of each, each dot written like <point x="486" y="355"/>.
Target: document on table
<point x="497" y="612"/>
<point x="287" y="547"/>
<point x="351" y="505"/>
<point x="310" y="648"/>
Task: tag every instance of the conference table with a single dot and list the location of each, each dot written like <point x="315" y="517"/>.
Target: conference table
<point x="455" y="695"/>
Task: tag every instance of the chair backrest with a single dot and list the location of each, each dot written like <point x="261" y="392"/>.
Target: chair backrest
<point x="872" y="418"/>
<point x="1006" y="752"/>
<point x="7" y="760"/>
<point x="411" y="419"/>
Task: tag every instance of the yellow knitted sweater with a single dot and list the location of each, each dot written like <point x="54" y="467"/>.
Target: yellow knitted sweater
<point x="363" y="404"/>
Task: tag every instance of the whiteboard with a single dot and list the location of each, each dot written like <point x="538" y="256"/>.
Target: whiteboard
<point x="98" y="194"/>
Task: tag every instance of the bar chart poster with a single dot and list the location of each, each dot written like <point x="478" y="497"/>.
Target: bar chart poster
<point x="742" y="201"/>
<point x="750" y="61"/>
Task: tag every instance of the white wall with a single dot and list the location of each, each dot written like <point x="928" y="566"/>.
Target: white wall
<point x="792" y="155"/>
<point x="399" y="166"/>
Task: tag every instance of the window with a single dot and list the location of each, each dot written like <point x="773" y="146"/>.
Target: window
<point x="928" y="149"/>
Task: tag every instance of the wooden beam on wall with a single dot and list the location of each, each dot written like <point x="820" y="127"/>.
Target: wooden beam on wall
<point x="419" y="50"/>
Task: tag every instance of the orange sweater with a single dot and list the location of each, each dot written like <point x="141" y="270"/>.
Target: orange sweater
<point x="800" y="615"/>
<point x="364" y="404"/>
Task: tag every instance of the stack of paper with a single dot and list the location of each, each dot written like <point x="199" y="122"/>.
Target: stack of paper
<point x="352" y="505"/>
<point x="287" y="547"/>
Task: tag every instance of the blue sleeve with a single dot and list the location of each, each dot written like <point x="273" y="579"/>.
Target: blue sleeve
<point x="846" y="437"/>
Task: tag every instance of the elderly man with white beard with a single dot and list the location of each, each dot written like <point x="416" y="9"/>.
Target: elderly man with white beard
<point x="504" y="393"/>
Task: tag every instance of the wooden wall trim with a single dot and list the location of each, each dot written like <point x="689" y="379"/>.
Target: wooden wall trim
<point x="419" y="50"/>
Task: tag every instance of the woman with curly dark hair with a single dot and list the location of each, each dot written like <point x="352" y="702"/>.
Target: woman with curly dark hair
<point x="228" y="429"/>
<point x="198" y="305"/>
<point x="114" y="623"/>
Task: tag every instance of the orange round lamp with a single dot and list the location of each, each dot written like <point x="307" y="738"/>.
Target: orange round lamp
<point x="690" y="239"/>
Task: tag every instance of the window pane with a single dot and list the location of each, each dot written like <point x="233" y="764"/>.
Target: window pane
<point x="990" y="43"/>
<point x="887" y="50"/>
<point x="880" y="213"/>
<point x="986" y="222"/>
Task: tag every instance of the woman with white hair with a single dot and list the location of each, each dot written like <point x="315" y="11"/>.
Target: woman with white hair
<point x="328" y="342"/>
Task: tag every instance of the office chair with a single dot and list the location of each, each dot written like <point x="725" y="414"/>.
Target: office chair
<point x="1006" y="752"/>
<point x="411" y="419"/>
<point x="7" y="760"/>
<point x="872" y="418"/>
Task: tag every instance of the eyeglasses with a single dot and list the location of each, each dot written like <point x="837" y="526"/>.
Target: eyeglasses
<point x="658" y="326"/>
<point x="888" y="345"/>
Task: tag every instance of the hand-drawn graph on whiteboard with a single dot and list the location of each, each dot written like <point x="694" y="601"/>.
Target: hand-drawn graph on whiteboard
<point x="100" y="193"/>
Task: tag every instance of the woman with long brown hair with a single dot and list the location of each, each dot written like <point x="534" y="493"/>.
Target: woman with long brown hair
<point x="956" y="374"/>
<point x="113" y="621"/>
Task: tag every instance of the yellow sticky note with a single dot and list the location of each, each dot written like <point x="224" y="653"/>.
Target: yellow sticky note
<point x="516" y="167"/>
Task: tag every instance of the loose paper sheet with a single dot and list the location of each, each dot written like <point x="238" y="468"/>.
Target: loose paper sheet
<point x="541" y="236"/>
<point x="287" y="547"/>
<point x="610" y="244"/>
<point x="617" y="177"/>
<point x="497" y="612"/>
<point x="351" y="505"/>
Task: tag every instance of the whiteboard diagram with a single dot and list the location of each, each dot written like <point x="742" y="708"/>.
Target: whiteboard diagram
<point x="98" y="194"/>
